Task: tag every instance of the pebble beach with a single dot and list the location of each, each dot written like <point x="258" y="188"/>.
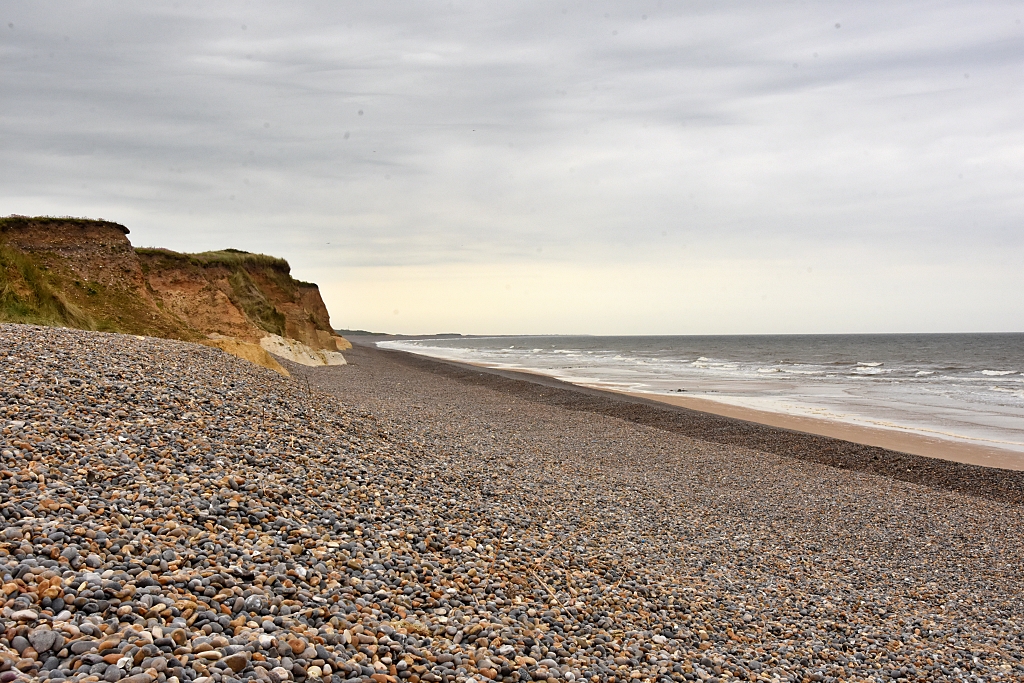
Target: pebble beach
<point x="171" y="513"/>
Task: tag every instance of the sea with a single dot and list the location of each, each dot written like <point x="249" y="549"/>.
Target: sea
<point x="960" y="387"/>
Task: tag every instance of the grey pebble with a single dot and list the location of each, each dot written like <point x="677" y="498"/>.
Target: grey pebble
<point x="187" y="513"/>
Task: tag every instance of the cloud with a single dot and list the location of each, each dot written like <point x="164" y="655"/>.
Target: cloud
<point x="551" y="138"/>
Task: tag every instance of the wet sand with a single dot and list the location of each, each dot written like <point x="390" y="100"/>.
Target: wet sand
<point x="711" y="422"/>
<point x="889" y="439"/>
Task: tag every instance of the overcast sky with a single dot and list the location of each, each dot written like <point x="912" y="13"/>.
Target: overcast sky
<point x="531" y="167"/>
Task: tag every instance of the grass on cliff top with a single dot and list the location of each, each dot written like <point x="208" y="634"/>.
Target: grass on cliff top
<point x="364" y="333"/>
<point x="15" y="221"/>
<point x="229" y="258"/>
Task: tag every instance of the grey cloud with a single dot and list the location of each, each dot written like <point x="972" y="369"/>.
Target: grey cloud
<point x="489" y="131"/>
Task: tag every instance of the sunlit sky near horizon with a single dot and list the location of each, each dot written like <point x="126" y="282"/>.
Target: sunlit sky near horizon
<point x="546" y="167"/>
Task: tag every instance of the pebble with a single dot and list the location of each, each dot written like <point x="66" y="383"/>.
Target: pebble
<point x="172" y="514"/>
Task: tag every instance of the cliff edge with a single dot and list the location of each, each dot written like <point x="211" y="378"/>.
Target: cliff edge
<point x="86" y="274"/>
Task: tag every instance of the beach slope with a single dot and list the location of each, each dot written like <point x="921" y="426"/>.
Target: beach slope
<point x="173" y="513"/>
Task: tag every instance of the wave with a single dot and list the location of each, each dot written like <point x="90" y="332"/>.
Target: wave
<point x="788" y="370"/>
<point x="870" y="370"/>
<point x="714" y="366"/>
<point x="986" y="400"/>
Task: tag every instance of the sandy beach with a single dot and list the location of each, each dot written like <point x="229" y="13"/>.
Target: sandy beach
<point x="174" y="514"/>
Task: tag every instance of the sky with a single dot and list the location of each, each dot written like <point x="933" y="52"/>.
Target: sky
<point x="548" y="167"/>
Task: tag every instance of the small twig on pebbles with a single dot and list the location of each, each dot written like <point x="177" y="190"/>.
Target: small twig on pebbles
<point x="546" y="586"/>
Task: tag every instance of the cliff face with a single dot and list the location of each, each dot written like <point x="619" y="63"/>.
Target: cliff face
<point x="84" y="273"/>
<point x="237" y="294"/>
<point x="77" y="273"/>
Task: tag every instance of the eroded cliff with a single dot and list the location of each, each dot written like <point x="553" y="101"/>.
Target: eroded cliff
<point x="86" y="274"/>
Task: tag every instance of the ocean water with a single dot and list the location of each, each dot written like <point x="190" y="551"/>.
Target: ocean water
<point x="960" y="387"/>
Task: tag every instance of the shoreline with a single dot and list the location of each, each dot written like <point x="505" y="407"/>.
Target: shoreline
<point x="981" y="478"/>
<point x="888" y="439"/>
<point x="463" y="525"/>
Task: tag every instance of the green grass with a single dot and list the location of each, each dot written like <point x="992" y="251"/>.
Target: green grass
<point x="233" y="257"/>
<point x="12" y="222"/>
<point x="28" y="294"/>
<point x="230" y="258"/>
<point x="251" y="299"/>
<point x="32" y="293"/>
<point x="362" y="332"/>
